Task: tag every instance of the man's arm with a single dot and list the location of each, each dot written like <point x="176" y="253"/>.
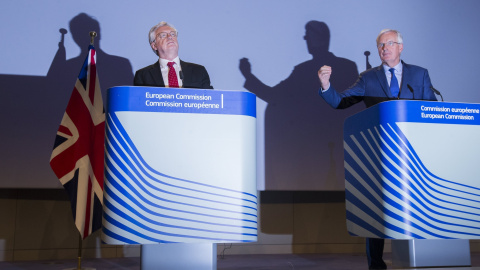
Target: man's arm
<point x="206" y="84"/>
<point x="428" y="93"/>
<point x="195" y="76"/>
<point x="138" y="80"/>
<point x="336" y="100"/>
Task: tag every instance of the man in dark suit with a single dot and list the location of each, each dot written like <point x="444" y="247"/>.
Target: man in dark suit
<point x="169" y="70"/>
<point x="394" y="79"/>
<point x="373" y="85"/>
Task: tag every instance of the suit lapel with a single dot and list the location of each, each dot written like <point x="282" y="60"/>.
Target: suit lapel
<point x="382" y="79"/>
<point x="187" y="72"/>
<point x="157" y="75"/>
<point x="405" y="81"/>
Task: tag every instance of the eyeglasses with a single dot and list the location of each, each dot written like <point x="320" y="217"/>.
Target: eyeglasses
<point x="163" y="35"/>
<point x="389" y="44"/>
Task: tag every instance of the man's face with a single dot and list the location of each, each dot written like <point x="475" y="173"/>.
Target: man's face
<point x="167" y="47"/>
<point x="389" y="55"/>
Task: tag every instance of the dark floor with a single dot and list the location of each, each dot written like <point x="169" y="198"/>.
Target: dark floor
<point x="233" y="262"/>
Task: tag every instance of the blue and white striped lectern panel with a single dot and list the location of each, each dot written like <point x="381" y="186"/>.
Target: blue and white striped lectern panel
<point x="412" y="171"/>
<point x="179" y="166"/>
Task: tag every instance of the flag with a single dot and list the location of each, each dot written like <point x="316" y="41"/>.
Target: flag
<point x="78" y="153"/>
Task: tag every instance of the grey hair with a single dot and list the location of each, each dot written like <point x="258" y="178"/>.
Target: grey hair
<point x="399" y="35"/>
<point x="151" y="33"/>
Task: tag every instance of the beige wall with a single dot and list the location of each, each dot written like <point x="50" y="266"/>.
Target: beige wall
<point x="37" y="225"/>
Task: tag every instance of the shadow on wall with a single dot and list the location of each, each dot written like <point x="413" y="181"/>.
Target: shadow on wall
<point x="303" y="134"/>
<point x="33" y="106"/>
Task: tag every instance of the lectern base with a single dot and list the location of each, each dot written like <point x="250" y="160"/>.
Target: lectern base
<point x="430" y="253"/>
<point x="179" y="256"/>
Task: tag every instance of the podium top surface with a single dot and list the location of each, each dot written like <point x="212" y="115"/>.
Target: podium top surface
<point x="180" y="100"/>
<point x="417" y="111"/>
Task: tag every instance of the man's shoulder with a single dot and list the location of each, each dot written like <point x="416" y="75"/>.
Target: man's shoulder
<point x="190" y="65"/>
<point x="371" y="71"/>
<point x="413" y="67"/>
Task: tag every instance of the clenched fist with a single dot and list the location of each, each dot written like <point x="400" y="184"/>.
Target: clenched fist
<point x="324" y="76"/>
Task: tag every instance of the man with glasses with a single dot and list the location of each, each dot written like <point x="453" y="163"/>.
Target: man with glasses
<point x="393" y="79"/>
<point x="374" y="85"/>
<point x="169" y="70"/>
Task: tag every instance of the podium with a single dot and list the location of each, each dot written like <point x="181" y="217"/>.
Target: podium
<point x="180" y="172"/>
<point x="412" y="174"/>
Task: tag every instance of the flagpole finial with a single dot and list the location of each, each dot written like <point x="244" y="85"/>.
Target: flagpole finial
<point x="93" y="34"/>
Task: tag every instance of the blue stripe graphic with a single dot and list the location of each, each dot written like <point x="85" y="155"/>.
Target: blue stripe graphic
<point x="381" y="163"/>
<point x="136" y="187"/>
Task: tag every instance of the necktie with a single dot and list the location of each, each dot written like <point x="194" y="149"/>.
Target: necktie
<point x="394" y="89"/>
<point x="172" y="75"/>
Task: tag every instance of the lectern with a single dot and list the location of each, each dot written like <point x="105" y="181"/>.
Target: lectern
<point x="179" y="173"/>
<point x="412" y="173"/>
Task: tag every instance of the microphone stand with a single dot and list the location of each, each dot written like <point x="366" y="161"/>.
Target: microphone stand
<point x="436" y="92"/>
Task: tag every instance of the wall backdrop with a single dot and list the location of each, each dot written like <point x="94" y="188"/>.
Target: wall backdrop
<point x="277" y="45"/>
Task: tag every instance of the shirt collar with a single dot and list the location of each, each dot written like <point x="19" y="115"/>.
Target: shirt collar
<point x="164" y="62"/>
<point x="398" y="68"/>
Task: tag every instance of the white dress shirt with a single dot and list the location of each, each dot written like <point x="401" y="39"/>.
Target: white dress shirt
<point x="398" y="73"/>
<point x="164" y="69"/>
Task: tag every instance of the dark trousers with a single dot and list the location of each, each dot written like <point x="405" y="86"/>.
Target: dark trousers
<point x="375" y="253"/>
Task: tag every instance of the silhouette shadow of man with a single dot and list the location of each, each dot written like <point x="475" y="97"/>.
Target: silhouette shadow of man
<point x="112" y="70"/>
<point x="33" y="106"/>
<point x="303" y="138"/>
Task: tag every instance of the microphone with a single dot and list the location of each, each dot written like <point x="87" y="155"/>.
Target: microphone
<point x="367" y="53"/>
<point x="181" y="76"/>
<point x="411" y="90"/>
<point x="62" y="31"/>
<point x="436" y="92"/>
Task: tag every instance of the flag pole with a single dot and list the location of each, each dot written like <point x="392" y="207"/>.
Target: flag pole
<point x="93" y="34"/>
<point x="79" y="262"/>
<point x="80" y="241"/>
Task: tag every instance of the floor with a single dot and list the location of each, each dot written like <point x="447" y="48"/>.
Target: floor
<point x="234" y="262"/>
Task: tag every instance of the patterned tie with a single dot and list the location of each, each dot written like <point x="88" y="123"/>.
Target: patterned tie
<point x="394" y="89"/>
<point x="172" y="75"/>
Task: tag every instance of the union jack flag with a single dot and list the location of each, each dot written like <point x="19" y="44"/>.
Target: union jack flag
<point x="77" y="158"/>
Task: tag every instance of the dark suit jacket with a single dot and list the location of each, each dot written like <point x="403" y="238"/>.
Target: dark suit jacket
<point x="194" y="76"/>
<point x="372" y="87"/>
